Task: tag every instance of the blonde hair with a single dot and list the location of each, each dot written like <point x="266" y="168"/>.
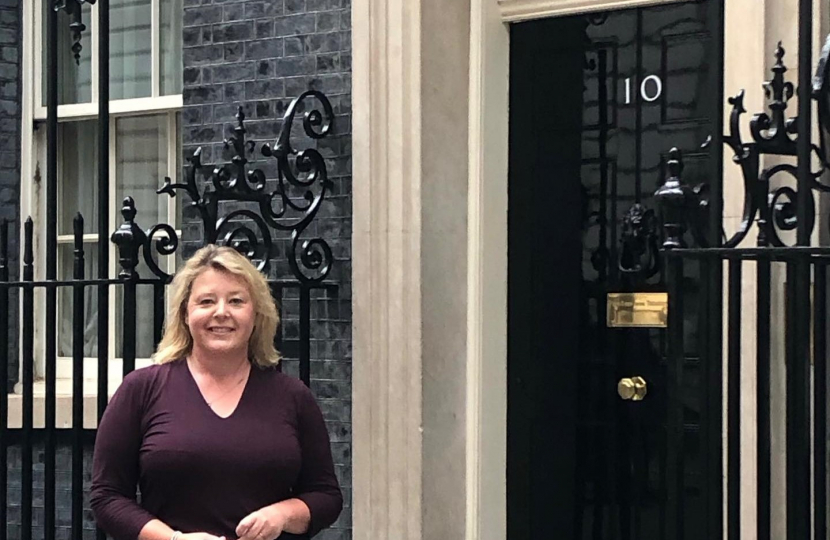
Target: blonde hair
<point x="177" y="342"/>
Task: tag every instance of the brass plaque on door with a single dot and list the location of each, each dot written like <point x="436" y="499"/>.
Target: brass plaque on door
<point x="638" y="310"/>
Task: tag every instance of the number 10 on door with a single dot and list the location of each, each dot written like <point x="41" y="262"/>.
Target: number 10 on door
<point x="651" y="88"/>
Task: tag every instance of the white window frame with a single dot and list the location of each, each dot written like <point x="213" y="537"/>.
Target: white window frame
<point x="145" y="105"/>
<point x="33" y="158"/>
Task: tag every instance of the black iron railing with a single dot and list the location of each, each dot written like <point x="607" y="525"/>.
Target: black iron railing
<point x="790" y="317"/>
<point x="130" y="285"/>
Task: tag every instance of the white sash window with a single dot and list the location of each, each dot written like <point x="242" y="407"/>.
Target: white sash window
<point x="145" y="102"/>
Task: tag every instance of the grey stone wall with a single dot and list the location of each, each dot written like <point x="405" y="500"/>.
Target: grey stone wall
<point x="10" y="17"/>
<point x="260" y="54"/>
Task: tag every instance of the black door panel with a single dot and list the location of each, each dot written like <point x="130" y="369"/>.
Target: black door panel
<point x="596" y="103"/>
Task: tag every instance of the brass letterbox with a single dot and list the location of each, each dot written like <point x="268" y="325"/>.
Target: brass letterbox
<point x="638" y="310"/>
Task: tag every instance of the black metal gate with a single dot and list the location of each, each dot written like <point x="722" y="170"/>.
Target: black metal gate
<point x="266" y="218"/>
<point x="765" y="311"/>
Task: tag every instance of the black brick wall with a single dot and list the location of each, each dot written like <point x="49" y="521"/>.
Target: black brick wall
<point x="261" y="54"/>
<point x="10" y="16"/>
<point x="63" y="492"/>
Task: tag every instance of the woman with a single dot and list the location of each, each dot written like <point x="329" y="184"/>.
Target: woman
<point x="219" y="443"/>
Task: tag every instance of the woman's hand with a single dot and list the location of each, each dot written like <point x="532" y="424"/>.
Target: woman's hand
<point x="264" y="524"/>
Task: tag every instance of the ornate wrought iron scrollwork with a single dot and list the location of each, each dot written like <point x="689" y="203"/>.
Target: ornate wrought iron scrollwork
<point x="773" y="133"/>
<point x="165" y="244"/>
<point x="73" y="8"/>
<point x="300" y="188"/>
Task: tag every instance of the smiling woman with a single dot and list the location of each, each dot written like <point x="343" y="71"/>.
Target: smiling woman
<point x="221" y="313"/>
<point x="174" y="429"/>
<point x="201" y="280"/>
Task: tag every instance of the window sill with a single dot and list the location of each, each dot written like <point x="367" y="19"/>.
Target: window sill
<point x="63" y="398"/>
<point x="145" y="105"/>
<point x="63" y="411"/>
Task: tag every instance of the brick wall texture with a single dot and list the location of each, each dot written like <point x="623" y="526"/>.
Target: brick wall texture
<point x="10" y="14"/>
<point x="63" y="491"/>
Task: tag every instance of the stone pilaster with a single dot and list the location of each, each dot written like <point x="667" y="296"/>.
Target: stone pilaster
<point x="411" y="64"/>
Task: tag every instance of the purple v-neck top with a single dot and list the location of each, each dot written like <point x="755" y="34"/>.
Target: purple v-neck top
<point x="198" y="472"/>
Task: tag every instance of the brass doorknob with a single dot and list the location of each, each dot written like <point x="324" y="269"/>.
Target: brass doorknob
<point x="632" y="388"/>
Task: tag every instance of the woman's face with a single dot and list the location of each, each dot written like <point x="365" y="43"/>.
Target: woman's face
<point x="220" y="313"/>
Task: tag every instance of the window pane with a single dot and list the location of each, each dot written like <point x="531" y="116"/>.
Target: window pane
<point x="130" y="49"/>
<point x="66" y="323"/>
<point x="171" y="47"/>
<point x="78" y="175"/>
<point x="74" y="81"/>
<point x="141" y="165"/>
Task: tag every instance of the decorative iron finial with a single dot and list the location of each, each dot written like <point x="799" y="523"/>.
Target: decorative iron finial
<point x="240" y="146"/>
<point x="73" y="8"/>
<point x="28" y="250"/>
<point x="236" y="174"/>
<point x="779" y="90"/>
<point x="772" y="133"/>
<point x="779" y="52"/>
<point x="674" y="197"/>
<point x="78" y="252"/>
<point x="77" y="28"/>
<point x="129" y="238"/>
<point x="78" y="229"/>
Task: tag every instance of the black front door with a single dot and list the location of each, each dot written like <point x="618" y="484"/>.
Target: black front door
<point x="596" y="103"/>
